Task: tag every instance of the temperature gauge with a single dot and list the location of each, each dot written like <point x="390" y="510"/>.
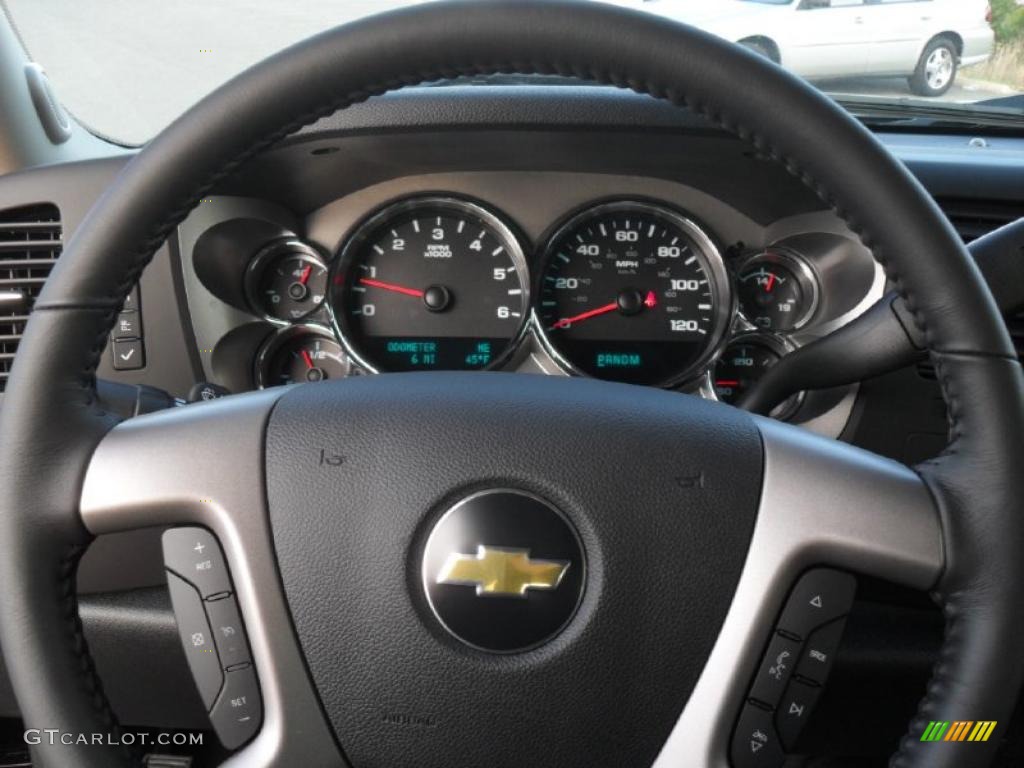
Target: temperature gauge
<point x="300" y="354"/>
<point x="744" y="361"/>
<point x="286" y="281"/>
<point x="777" y="291"/>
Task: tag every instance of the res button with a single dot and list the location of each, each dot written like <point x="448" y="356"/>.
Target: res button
<point x="194" y="554"/>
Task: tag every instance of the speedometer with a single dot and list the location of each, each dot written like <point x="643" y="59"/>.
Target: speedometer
<point x="633" y="292"/>
<point x="433" y="283"/>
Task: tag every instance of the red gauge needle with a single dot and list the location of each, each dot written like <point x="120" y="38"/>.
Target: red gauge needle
<point x="391" y="287"/>
<point x="727" y="383"/>
<point x="304" y="277"/>
<point x="307" y="359"/>
<point x="771" y="282"/>
<point x="565" y="322"/>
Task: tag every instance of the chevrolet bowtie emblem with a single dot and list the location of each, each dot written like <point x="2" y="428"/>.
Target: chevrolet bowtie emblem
<point x="502" y="572"/>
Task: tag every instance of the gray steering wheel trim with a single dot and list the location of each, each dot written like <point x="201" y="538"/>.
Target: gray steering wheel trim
<point x="50" y="424"/>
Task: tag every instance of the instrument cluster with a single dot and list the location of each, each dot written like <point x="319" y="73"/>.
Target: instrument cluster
<point x="631" y="290"/>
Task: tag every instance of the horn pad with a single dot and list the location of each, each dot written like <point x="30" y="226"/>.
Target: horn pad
<point x="601" y="535"/>
<point x="503" y="571"/>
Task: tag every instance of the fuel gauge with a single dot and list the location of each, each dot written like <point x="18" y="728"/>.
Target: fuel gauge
<point x="777" y="291"/>
<point x="300" y="354"/>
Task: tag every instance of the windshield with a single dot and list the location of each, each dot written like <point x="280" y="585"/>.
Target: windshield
<point x="127" y="68"/>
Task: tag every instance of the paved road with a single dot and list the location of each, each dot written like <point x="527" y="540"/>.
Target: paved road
<point x="964" y="91"/>
<point x="129" y="67"/>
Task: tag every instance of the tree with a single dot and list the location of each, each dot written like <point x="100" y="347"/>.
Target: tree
<point x="1007" y="20"/>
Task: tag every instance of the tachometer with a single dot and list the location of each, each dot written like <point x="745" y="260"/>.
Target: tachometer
<point x="632" y="292"/>
<point x="431" y="284"/>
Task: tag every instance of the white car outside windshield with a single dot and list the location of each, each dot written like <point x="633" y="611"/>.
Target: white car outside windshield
<point x="925" y="41"/>
<point x="127" y="68"/>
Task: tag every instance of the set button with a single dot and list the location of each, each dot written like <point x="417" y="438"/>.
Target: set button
<point x="238" y="711"/>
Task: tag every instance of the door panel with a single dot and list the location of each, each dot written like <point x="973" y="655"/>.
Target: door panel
<point x="899" y="29"/>
<point x="828" y="40"/>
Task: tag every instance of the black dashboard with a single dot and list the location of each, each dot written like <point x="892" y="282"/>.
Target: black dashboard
<point x="549" y="230"/>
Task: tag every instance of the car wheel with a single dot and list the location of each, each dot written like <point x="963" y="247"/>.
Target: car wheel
<point x="937" y="68"/>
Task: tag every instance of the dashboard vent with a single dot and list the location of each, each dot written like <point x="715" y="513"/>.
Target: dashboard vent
<point x="30" y="242"/>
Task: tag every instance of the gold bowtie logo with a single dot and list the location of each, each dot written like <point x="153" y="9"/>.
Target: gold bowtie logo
<point x="502" y="572"/>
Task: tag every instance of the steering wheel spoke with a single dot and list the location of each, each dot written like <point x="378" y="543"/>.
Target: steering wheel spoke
<point x="202" y="465"/>
<point x="823" y="503"/>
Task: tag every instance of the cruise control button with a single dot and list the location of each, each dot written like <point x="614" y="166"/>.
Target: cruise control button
<point x="755" y="743"/>
<point x="776" y="668"/>
<point x="819" y="652"/>
<point x="794" y="710"/>
<point x="196" y="638"/>
<point x="237" y="714"/>
<point x="820" y="596"/>
<point x="194" y="554"/>
<point x="228" y="631"/>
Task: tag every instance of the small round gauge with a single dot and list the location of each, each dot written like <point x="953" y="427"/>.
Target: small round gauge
<point x="432" y="283"/>
<point x="777" y="291"/>
<point x="743" y="362"/>
<point x="633" y="292"/>
<point x="300" y="354"/>
<point x="286" y="281"/>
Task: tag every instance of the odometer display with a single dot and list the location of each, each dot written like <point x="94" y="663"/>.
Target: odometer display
<point x="632" y="292"/>
<point x="431" y="284"/>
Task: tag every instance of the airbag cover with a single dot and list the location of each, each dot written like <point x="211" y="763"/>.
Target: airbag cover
<point x="662" y="489"/>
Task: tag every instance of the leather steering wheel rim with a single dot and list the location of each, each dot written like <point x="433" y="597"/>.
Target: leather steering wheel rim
<point x="51" y="422"/>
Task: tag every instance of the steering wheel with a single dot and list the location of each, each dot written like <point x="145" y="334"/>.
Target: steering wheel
<point x="691" y="520"/>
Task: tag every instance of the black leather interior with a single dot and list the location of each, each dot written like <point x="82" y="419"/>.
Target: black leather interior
<point x="50" y="421"/>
